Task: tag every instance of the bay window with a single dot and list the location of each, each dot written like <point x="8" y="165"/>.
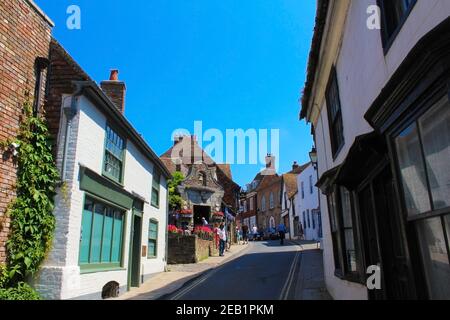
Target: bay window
<point x="423" y="154"/>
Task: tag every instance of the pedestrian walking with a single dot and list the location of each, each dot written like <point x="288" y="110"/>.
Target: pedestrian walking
<point x="221" y="232"/>
<point x="245" y="234"/>
<point x="282" y="232"/>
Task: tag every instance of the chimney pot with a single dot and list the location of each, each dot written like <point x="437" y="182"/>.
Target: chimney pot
<point x="114" y="76"/>
<point x="115" y="90"/>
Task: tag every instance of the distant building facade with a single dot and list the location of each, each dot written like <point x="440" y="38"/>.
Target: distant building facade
<point x="307" y="205"/>
<point x="208" y="189"/>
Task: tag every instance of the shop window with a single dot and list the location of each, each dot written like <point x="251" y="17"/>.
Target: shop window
<point x="423" y="153"/>
<point x="341" y="223"/>
<point x="101" y="235"/>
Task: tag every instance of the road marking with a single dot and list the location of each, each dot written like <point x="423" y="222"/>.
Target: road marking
<point x="290" y="278"/>
<point x="202" y="279"/>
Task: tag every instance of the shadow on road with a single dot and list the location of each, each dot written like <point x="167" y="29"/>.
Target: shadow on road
<point x="264" y="272"/>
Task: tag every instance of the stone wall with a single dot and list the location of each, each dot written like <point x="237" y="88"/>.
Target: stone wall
<point x="189" y="249"/>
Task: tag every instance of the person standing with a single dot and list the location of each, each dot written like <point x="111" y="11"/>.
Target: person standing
<point x="282" y="232"/>
<point x="238" y="235"/>
<point x="221" y="232"/>
<point x="255" y="232"/>
<point x="204" y="222"/>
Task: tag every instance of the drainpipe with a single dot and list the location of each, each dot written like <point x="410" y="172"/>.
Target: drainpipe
<point x="69" y="112"/>
<point x="167" y="225"/>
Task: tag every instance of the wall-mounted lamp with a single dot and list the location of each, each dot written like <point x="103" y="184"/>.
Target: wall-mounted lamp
<point x="313" y="157"/>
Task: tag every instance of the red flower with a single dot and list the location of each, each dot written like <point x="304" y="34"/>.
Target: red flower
<point x="185" y="212"/>
<point x="219" y="214"/>
<point x="173" y="229"/>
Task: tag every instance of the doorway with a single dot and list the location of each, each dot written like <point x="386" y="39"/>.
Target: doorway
<point x="135" y="250"/>
<point x="201" y="212"/>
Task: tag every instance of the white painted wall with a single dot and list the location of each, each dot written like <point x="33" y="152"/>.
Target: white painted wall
<point x="60" y="277"/>
<point x="362" y="71"/>
<point x="309" y="202"/>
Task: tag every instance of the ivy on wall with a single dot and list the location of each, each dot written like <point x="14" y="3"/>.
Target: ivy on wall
<point x="32" y="221"/>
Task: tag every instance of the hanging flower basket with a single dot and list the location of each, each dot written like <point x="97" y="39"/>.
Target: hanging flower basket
<point x="186" y="213"/>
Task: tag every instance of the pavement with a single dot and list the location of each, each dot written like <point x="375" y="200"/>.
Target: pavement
<point x="176" y="276"/>
<point x="257" y="271"/>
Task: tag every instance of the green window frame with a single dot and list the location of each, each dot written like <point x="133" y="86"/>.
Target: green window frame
<point x="155" y="189"/>
<point x="102" y="235"/>
<point x="152" y="246"/>
<point x="113" y="164"/>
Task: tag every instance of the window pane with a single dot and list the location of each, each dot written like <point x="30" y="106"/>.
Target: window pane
<point x="332" y="205"/>
<point x="107" y="235"/>
<point x="86" y="225"/>
<point x="350" y="250"/>
<point x="346" y="208"/>
<point x="412" y="171"/>
<point x="435" y="131"/>
<point x="151" y="248"/>
<point x="153" y="230"/>
<point x="155" y="198"/>
<point x="117" y="238"/>
<point x="435" y="257"/>
<point x="97" y="233"/>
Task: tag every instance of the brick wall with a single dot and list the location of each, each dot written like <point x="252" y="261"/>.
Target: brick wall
<point x="24" y="35"/>
<point x="63" y="70"/>
<point x="270" y="184"/>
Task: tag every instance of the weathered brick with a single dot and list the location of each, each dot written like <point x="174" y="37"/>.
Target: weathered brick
<point x="24" y="36"/>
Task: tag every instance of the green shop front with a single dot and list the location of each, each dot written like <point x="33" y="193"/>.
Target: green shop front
<point x="107" y="211"/>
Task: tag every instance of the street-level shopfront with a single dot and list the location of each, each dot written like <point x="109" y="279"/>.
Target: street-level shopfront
<point x="389" y="201"/>
<point x="107" y="211"/>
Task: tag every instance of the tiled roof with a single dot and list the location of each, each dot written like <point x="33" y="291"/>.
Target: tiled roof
<point x="290" y="181"/>
<point x="313" y="61"/>
<point x="187" y="143"/>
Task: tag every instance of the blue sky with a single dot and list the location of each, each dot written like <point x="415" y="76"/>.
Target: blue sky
<point x="229" y="63"/>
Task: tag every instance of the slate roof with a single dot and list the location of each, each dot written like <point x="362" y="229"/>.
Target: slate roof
<point x="321" y="16"/>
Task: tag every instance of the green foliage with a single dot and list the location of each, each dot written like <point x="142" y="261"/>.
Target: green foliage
<point x="175" y="200"/>
<point x="32" y="221"/>
<point x="21" y="292"/>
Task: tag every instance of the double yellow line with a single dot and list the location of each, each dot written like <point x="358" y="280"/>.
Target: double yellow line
<point x="290" y="278"/>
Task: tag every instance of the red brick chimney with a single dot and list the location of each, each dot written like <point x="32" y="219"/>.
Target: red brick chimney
<point x="115" y="90"/>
